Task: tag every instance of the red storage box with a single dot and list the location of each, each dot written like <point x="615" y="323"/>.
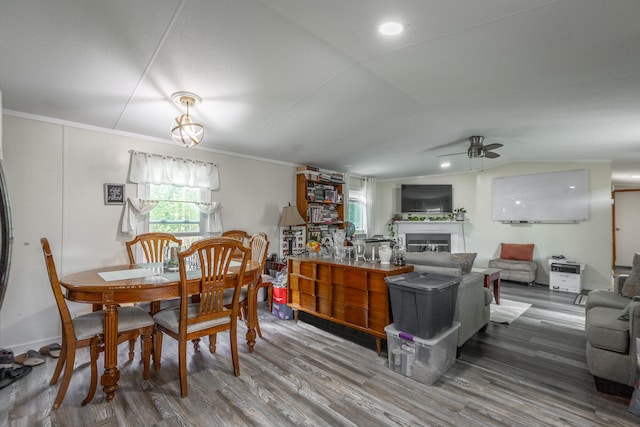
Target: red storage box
<point x="280" y="295"/>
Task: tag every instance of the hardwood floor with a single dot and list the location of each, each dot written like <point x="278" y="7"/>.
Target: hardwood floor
<point x="530" y="373"/>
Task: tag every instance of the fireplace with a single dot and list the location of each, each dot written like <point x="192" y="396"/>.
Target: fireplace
<point x="437" y="236"/>
<point x="433" y="242"/>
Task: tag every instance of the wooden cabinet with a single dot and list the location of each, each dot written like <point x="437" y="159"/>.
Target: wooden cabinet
<point x="321" y="204"/>
<point x="351" y="293"/>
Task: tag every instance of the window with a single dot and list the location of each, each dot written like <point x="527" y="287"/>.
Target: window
<point x="357" y="211"/>
<point x="176" y="213"/>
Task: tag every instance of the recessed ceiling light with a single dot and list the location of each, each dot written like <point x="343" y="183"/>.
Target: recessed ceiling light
<point x="445" y="165"/>
<point x="391" y="28"/>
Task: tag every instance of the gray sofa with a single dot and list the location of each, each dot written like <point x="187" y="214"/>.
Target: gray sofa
<point x="473" y="299"/>
<point x="611" y="340"/>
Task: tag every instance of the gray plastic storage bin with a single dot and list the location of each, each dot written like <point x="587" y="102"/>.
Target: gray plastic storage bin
<point x="422" y="304"/>
<point x="422" y="360"/>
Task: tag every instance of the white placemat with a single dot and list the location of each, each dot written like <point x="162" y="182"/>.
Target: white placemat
<point x="110" y="276"/>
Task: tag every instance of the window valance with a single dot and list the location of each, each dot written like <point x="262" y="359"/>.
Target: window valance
<point x="156" y="169"/>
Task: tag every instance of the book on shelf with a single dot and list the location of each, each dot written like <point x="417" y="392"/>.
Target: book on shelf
<point x="308" y="168"/>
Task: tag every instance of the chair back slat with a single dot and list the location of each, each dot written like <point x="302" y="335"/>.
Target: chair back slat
<point x="152" y="245"/>
<point x="215" y="255"/>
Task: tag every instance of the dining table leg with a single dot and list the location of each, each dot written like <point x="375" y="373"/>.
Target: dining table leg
<point x="251" y="316"/>
<point x="111" y="373"/>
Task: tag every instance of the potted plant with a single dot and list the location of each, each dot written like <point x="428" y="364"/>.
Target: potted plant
<point x="459" y="212"/>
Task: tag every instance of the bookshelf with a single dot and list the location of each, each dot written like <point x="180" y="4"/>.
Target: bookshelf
<point x="297" y="233"/>
<point x="320" y="201"/>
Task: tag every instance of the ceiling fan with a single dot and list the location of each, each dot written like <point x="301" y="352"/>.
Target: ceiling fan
<point x="478" y="149"/>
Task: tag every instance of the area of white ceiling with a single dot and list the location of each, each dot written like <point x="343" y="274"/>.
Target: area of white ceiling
<point x="312" y="82"/>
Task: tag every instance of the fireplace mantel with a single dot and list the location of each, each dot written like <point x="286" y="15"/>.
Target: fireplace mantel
<point x="454" y="228"/>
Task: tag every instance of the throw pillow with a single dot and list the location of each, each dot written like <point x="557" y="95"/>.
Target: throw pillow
<point x="519" y="252"/>
<point x="466" y="261"/>
<point x="631" y="286"/>
<point x="625" y="312"/>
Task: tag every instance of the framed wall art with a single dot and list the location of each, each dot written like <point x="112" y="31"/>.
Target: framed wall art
<point x="114" y="194"/>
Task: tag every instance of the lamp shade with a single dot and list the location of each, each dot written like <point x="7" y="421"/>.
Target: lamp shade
<point x="290" y="217"/>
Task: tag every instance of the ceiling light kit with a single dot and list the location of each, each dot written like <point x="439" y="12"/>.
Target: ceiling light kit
<point x="391" y="28"/>
<point x="185" y="130"/>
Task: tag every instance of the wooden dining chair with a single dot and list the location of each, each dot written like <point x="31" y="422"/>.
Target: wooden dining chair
<point x="87" y="331"/>
<point x="207" y="316"/>
<point x="152" y="245"/>
<point x="239" y="235"/>
<point x="259" y="245"/>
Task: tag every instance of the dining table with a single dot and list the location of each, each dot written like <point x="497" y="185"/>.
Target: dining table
<point x="108" y="287"/>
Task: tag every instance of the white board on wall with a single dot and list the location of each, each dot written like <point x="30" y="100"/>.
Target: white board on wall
<point x="546" y="197"/>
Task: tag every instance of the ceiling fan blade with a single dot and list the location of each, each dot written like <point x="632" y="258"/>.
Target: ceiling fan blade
<point x="492" y="146"/>
<point x="491" y="154"/>
<point x="452" y="154"/>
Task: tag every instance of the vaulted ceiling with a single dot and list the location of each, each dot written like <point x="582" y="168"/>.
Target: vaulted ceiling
<point x="313" y="82"/>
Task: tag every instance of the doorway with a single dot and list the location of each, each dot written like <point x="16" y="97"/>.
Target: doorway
<point x="626" y="231"/>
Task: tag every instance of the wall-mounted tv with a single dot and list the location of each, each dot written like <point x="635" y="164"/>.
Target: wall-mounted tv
<point x="427" y="198"/>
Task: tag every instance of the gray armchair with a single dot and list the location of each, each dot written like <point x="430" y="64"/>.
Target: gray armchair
<point x="611" y="340"/>
<point x="473" y="299"/>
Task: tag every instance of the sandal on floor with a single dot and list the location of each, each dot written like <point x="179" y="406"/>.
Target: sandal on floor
<point x="6" y="358"/>
<point x="30" y="358"/>
<point x="52" y="350"/>
<point x="10" y="376"/>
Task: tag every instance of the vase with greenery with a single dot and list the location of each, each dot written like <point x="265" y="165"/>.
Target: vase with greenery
<point x="459" y="213"/>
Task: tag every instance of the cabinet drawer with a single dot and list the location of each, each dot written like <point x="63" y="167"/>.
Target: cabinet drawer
<point x="355" y="316"/>
<point x="323" y="273"/>
<point x="377" y="324"/>
<point x="355" y="279"/>
<point x="323" y="290"/>
<point x="295" y="297"/>
<point x="355" y="297"/>
<point x="308" y="301"/>
<point x="293" y="282"/>
<point x="324" y="306"/>
<point x="377" y="283"/>
<point x="337" y="275"/>
<point x="307" y="286"/>
<point x="379" y="305"/>
<point x="308" y="269"/>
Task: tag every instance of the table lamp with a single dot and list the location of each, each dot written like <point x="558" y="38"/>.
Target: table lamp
<point x="289" y="218"/>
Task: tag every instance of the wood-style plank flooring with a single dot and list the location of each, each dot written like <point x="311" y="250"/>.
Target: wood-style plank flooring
<point x="530" y="373"/>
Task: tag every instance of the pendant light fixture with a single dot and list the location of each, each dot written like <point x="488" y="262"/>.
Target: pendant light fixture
<point x="185" y="130"/>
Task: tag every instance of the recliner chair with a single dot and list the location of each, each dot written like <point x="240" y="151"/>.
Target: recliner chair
<point x="612" y="340"/>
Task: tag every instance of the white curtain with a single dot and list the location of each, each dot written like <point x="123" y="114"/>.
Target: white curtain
<point x="155" y="169"/>
<point x="345" y="195"/>
<point x="370" y="194"/>
<point x="133" y="209"/>
<point x="211" y="210"/>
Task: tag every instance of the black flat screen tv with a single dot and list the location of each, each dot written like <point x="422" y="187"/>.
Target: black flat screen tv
<point x="427" y="198"/>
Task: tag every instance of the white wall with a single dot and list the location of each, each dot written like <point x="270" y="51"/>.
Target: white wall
<point x="55" y="176"/>
<point x="589" y="242"/>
